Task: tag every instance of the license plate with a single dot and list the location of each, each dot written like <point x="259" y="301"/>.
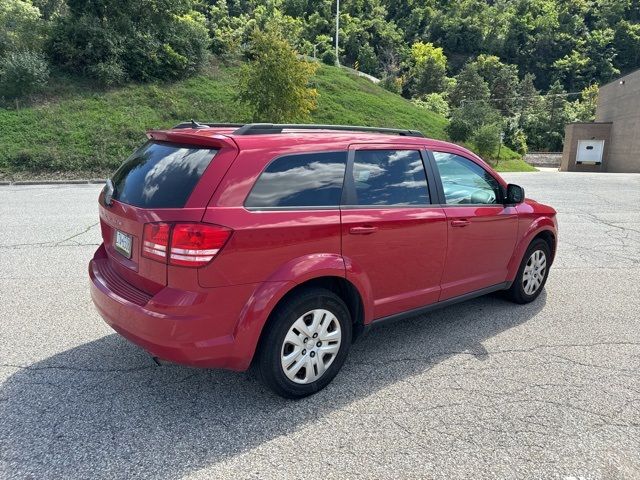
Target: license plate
<point x="123" y="243"/>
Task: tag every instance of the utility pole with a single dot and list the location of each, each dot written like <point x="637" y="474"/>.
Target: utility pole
<point x="337" y="30"/>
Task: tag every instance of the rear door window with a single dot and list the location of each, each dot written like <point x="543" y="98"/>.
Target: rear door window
<point x="302" y="180"/>
<point x="390" y="177"/>
<point x="161" y="175"/>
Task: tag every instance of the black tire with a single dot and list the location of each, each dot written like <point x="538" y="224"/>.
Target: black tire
<point x="517" y="291"/>
<point x="269" y="363"/>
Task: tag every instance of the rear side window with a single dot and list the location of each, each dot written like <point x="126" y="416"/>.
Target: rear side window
<point x="390" y="177"/>
<point x="160" y="175"/>
<point x="302" y="180"/>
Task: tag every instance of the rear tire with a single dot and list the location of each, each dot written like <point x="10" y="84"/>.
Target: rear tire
<point x="532" y="274"/>
<point x="306" y="343"/>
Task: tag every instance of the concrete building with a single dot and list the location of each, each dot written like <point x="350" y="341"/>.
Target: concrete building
<point x="612" y="142"/>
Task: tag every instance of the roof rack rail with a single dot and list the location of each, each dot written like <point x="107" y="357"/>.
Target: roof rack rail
<point x="194" y="124"/>
<point x="267" y="128"/>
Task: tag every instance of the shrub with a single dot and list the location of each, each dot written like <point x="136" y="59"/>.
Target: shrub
<point x="81" y="45"/>
<point x="22" y="73"/>
<point x="275" y="84"/>
<point x="518" y="142"/>
<point x="487" y="140"/>
<point x="115" y="41"/>
<point x="458" y="129"/>
<point x="328" y="57"/>
<point x="108" y="73"/>
<point x="434" y="102"/>
<point x="391" y="83"/>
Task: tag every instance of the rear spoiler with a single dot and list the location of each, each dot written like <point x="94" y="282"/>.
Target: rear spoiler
<point x="195" y="138"/>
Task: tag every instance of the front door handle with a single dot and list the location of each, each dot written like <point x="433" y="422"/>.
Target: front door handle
<point x="367" y="230"/>
<point x="463" y="222"/>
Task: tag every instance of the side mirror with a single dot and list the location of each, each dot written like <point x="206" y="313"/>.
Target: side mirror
<point x="515" y="194"/>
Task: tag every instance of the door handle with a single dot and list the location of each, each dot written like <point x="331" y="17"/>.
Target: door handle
<point x="463" y="222"/>
<point x="367" y="230"/>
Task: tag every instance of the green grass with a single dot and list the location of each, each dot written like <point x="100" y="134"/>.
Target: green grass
<point x="513" y="165"/>
<point x="78" y="130"/>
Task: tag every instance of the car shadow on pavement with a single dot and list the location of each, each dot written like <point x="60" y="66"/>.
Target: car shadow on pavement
<point x="104" y="409"/>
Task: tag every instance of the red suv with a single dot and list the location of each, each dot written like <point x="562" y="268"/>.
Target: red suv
<point x="278" y="245"/>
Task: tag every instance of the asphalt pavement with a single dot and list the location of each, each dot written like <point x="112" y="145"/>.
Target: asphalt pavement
<point x="483" y="389"/>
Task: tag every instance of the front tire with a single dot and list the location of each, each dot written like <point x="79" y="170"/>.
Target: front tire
<point x="306" y="344"/>
<point x="532" y="274"/>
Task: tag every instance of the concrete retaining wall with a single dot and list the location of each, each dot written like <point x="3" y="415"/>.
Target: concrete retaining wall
<point x="544" y="159"/>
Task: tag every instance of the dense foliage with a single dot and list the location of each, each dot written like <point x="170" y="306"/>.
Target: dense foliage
<point x="274" y="84"/>
<point x="521" y="67"/>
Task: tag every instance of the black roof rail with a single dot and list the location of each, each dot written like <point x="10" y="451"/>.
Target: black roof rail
<point x="266" y="128"/>
<point x="194" y="124"/>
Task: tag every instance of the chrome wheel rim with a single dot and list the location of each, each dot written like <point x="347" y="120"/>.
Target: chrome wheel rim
<point x="534" y="272"/>
<point x="310" y="346"/>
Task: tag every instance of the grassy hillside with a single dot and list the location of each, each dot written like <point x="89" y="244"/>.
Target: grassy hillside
<point x="76" y="130"/>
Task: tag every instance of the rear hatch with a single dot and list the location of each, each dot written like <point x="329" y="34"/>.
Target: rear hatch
<point x="171" y="178"/>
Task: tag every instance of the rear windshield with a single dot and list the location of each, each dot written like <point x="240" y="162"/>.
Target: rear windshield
<point x="160" y="175"/>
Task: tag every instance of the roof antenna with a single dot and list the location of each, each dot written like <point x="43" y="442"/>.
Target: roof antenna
<point x="195" y="124"/>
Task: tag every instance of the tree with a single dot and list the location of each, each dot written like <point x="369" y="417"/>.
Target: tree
<point x="545" y="120"/>
<point x="487" y="139"/>
<point x="143" y="40"/>
<point x="627" y="44"/>
<point x="502" y="80"/>
<point x="584" y="109"/>
<point x="427" y="70"/>
<point x="275" y="84"/>
<point x="468" y="118"/>
<point x="20" y="26"/>
<point x="469" y="86"/>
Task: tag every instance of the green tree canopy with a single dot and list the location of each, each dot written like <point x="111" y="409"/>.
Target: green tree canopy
<point x="113" y="40"/>
<point x="275" y="84"/>
<point x="20" y="26"/>
<point x="427" y="69"/>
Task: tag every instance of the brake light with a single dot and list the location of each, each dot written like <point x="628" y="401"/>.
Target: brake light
<point x="155" y="241"/>
<point x="192" y="244"/>
<point x="195" y="244"/>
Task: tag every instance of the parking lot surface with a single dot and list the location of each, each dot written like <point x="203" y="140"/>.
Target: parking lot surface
<point x="483" y="389"/>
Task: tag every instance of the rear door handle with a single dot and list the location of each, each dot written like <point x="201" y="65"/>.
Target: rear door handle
<point x="460" y="223"/>
<point x="368" y="230"/>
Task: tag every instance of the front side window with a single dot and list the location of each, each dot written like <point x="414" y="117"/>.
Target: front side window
<point x="390" y="177"/>
<point x="304" y="180"/>
<point x="466" y="182"/>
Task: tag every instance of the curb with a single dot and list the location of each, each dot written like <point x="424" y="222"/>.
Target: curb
<point x="91" y="181"/>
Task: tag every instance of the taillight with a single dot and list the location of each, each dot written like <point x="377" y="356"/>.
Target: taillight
<point x="192" y="244"/>
<point x="155" y="241"/>
<point x="195" y="244"/>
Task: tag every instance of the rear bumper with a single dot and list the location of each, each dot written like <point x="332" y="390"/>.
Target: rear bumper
<point x="185" y="327"/>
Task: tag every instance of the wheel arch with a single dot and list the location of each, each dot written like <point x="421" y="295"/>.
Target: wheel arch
<point x="340" y="286"/>
<point x="543" y="228"/>
<point x="549" y="237"/>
